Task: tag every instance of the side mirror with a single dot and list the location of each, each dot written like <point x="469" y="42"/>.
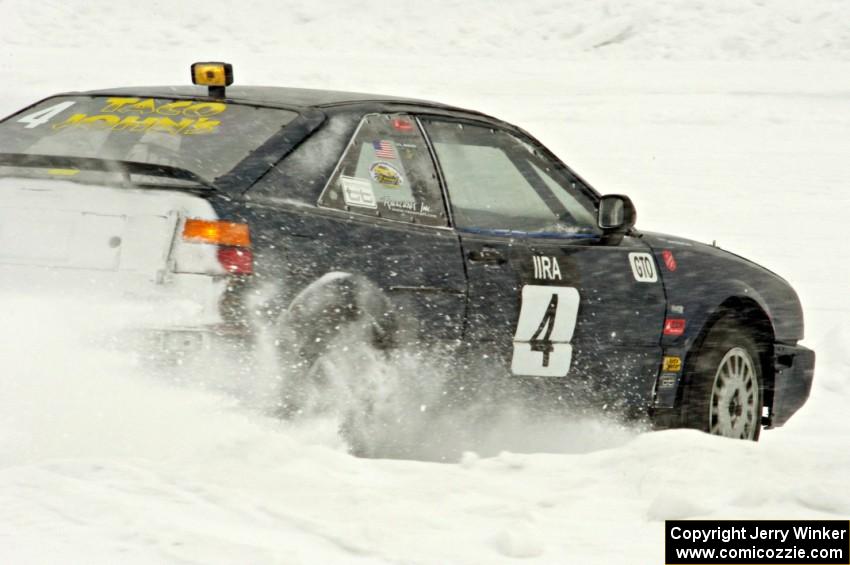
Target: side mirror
<point x="617" y="214"/>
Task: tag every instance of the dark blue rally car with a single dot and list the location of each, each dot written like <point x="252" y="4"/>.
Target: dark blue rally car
<point x="430" y="224"/>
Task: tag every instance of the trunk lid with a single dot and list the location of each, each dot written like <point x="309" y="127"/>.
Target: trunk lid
<point x="63" y="225"/>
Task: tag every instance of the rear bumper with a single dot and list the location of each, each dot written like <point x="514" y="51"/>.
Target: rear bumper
<point x="170" y="345"/>
<point x="794" y="368"/>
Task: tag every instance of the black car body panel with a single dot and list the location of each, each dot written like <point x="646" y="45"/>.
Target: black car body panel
<point x="449" y="284"/>
<point x="707" y="281"/>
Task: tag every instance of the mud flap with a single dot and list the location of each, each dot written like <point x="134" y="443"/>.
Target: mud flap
<point x="795" y="368"/>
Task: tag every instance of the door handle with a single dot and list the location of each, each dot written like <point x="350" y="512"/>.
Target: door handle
<point x="487" y="255"/>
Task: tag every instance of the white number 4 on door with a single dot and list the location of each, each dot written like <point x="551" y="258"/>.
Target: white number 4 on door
<point x="547" y="319"/>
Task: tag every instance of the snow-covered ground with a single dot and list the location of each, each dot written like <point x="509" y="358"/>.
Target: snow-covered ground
<point x="724" y="120"/>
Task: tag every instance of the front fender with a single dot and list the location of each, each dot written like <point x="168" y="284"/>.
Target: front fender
<point x="701" y="278"/>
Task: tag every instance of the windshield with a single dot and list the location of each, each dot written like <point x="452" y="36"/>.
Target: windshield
<point x="207" y="138"/>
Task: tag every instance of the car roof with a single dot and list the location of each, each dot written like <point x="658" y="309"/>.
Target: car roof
<point x="296" y="98"/>
<point x="300" y="99"/>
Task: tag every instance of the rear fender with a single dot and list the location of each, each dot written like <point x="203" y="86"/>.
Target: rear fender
<point x="327" y="305"/>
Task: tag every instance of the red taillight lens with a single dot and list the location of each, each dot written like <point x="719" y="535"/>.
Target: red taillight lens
<point x="236" y="260"/>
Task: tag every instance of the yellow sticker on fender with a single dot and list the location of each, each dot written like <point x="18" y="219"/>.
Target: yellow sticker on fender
<point x="672" y="364"/>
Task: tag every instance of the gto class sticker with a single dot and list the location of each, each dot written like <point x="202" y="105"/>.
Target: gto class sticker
<point x="643" y="267"/>
<point x="385" y="174"/>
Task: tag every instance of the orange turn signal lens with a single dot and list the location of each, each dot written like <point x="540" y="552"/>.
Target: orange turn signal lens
<point x="212" y="74"/>
<point x="220" y="233"/>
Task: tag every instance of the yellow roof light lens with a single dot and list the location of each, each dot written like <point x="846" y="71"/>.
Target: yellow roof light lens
<point x="212" y="74"/>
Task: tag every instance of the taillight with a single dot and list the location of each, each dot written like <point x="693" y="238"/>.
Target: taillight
<point x="236" y="260"/>
<point x="229" y="241"/>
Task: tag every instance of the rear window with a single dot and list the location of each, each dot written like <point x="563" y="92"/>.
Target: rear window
<point x="208" y="138"/>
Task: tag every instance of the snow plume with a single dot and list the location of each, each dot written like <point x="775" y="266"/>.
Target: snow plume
<point x="82" y="378"/>
<point x="417" y="403"/>
<point x="73" y="388"/>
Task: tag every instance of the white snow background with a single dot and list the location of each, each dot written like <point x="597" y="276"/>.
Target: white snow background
<point x="724" y="120"/>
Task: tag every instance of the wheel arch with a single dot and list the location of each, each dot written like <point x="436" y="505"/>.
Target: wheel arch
<point x="749" y="313"/>
<point x="319" y="310"/>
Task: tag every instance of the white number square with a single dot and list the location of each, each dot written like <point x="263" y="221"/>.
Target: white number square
<point x="545" y="327"/>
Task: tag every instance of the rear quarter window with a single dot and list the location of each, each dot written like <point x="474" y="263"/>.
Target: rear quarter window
<point x="386" y="171"/>
<point x="302" y="175"/>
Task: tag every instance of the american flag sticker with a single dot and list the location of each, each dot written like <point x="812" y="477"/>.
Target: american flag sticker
<point x="384" y="149"/>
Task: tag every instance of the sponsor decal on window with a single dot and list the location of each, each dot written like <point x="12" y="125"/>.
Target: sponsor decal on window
<point x="385" y="174"/>
<point x="411" y="207"/>
<point x="383" y="149"/>
<point x="401" y="124"/>
<point x="357" y="192"/>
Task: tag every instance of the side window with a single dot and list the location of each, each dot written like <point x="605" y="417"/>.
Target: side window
<point x="497" y="181"/>
<point x="386" y="171"/>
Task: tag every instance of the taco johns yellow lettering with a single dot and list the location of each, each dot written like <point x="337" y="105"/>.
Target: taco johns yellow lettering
<point x="115" y="104"/>
<point x="183" y="126"/>
<point x="188" y="108"/>
<point x="173" y="108"/>
<point x="202" y="126"/>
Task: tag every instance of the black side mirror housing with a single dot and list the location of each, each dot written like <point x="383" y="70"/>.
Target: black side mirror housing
<point x="617" y="214"/>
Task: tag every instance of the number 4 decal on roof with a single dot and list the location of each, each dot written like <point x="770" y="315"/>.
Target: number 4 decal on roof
<point x="546" y="323"/>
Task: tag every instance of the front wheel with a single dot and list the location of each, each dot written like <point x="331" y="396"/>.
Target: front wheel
<point x="724" y="393"/>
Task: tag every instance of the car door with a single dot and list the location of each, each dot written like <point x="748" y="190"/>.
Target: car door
<point x="492" y="255"/>
<point x="580" y="306"/>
